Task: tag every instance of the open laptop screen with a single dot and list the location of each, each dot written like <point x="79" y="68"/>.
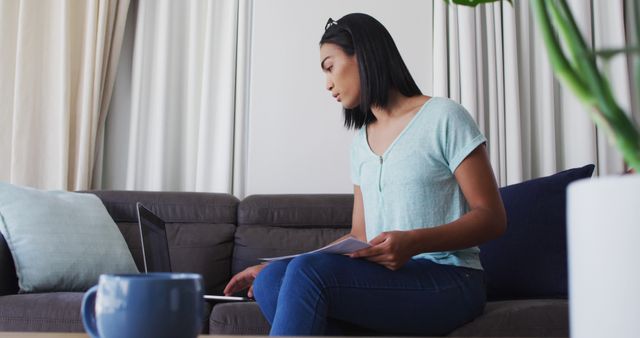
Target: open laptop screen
<point x="155" y="247"/>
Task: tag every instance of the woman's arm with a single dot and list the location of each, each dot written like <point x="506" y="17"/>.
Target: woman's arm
<point x="244" y="279"/>
<point x="357" y="219"/>
<point x="485" y="220"/>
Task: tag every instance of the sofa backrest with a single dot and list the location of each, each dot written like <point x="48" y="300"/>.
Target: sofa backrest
<point x="200" y="228"/>
<point x="278" y="225"/>
<point x="217" y="236"/>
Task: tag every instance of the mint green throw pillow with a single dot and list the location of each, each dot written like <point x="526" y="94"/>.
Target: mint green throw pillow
<point x="60" y="241"/>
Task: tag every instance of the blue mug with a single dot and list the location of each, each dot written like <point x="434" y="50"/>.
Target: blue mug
<point x="144" y="305"/>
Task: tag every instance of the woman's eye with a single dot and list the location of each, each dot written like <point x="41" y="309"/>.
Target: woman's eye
<point x="329" y="68"/>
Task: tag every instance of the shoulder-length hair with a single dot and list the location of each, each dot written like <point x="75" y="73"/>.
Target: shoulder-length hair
<point x="380" y="65"/>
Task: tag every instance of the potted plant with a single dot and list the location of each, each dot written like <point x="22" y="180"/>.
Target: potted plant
<point x="603" y="214"/>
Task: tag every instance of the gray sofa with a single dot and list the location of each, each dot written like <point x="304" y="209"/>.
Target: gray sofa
<point x="217" y="235"/>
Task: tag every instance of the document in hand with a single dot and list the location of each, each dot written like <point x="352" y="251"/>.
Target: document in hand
<point x="345" y="246"/>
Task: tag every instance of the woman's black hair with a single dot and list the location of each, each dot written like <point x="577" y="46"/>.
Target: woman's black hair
<point x="380" y="65"/>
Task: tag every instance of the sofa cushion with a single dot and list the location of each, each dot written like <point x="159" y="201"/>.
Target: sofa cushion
<point x="246" y="318"/>
<point x="530" y="259"/>
<point x="278" y="225"/>
<point x="253" y="242"/>
<point x="238" y="319"/>
<point x="60" y="241"/>
<point x="319" y="210"/>
<point x="200" y="229"/>
<point x="172" y="207"/>
<point x="515" y="318"/>
<point x="51" y="312"/>
<point x="519" y="318"/>
<point x="54" y="312"/>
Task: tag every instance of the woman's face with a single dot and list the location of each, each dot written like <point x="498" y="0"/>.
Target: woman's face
<point x="343" y="78"/>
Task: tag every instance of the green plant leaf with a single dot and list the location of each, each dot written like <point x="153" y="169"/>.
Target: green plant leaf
<point x="561" y="66"/>
<point x="608" y="53"/>
<point x="582" y="75"/>
<point x="593" y="89"/>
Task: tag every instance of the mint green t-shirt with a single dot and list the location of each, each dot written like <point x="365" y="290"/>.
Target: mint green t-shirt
<point x="412" y="186"/>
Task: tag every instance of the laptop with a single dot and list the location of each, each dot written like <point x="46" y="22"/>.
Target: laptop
<point x="155" y="248"/>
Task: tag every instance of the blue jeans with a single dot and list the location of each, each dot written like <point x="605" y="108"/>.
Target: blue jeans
<point x="315" y="294"/>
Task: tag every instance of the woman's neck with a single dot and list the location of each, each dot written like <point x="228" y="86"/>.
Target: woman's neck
<point x="398" y="106"/>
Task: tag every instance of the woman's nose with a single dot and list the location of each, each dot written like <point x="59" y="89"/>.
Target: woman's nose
<point x="329" y="85"/>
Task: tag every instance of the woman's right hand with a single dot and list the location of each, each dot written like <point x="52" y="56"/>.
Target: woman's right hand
<point x="243" y="279"/>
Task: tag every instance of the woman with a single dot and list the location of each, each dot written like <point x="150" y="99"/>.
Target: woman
<point x="424" y="197"/>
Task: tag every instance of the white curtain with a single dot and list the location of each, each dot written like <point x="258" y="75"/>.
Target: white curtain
<point x="492" y="60"/>
<point x="171" y="125"/>
<point x="57" y="68"/>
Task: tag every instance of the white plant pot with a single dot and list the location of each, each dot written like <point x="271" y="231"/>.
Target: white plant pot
<point x="603" y="231"/>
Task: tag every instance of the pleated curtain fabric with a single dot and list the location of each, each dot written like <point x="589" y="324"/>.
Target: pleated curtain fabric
<point x="609" y="32"/>
<point x="57" y="67"/>
<point x="171" y="126"/>
<point x="492" y="60"/>
<point x="178" y="118"/>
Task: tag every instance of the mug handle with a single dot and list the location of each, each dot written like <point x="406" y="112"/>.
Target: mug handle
<point x="88" y="312"/>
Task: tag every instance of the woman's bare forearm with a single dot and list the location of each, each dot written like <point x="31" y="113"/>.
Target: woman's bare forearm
<point x="474" y="228"/>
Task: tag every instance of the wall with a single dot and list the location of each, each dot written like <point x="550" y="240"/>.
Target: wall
<point x="296" y="142"/>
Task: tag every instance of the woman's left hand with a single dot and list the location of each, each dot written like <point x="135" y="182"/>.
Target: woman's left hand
<point x="391" y="249"/>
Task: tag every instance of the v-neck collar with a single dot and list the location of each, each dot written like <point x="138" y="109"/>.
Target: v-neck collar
<point x="413" y="119"/>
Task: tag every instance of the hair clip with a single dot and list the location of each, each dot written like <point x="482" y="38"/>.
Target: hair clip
<point x="330" y="23"/>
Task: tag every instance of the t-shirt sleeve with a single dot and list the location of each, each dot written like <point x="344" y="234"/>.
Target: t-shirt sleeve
<point x="460" y="136"/>
<point x="355" y="162"/>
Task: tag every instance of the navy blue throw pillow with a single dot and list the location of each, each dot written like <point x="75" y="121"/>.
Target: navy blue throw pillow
<point x="530" y="259"/>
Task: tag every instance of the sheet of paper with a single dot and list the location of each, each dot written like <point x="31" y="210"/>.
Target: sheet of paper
<point x="345" y="246"/>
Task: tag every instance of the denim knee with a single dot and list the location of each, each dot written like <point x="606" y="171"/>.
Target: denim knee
<point x="267" y="283"/>
<point x="316" y="267"/>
